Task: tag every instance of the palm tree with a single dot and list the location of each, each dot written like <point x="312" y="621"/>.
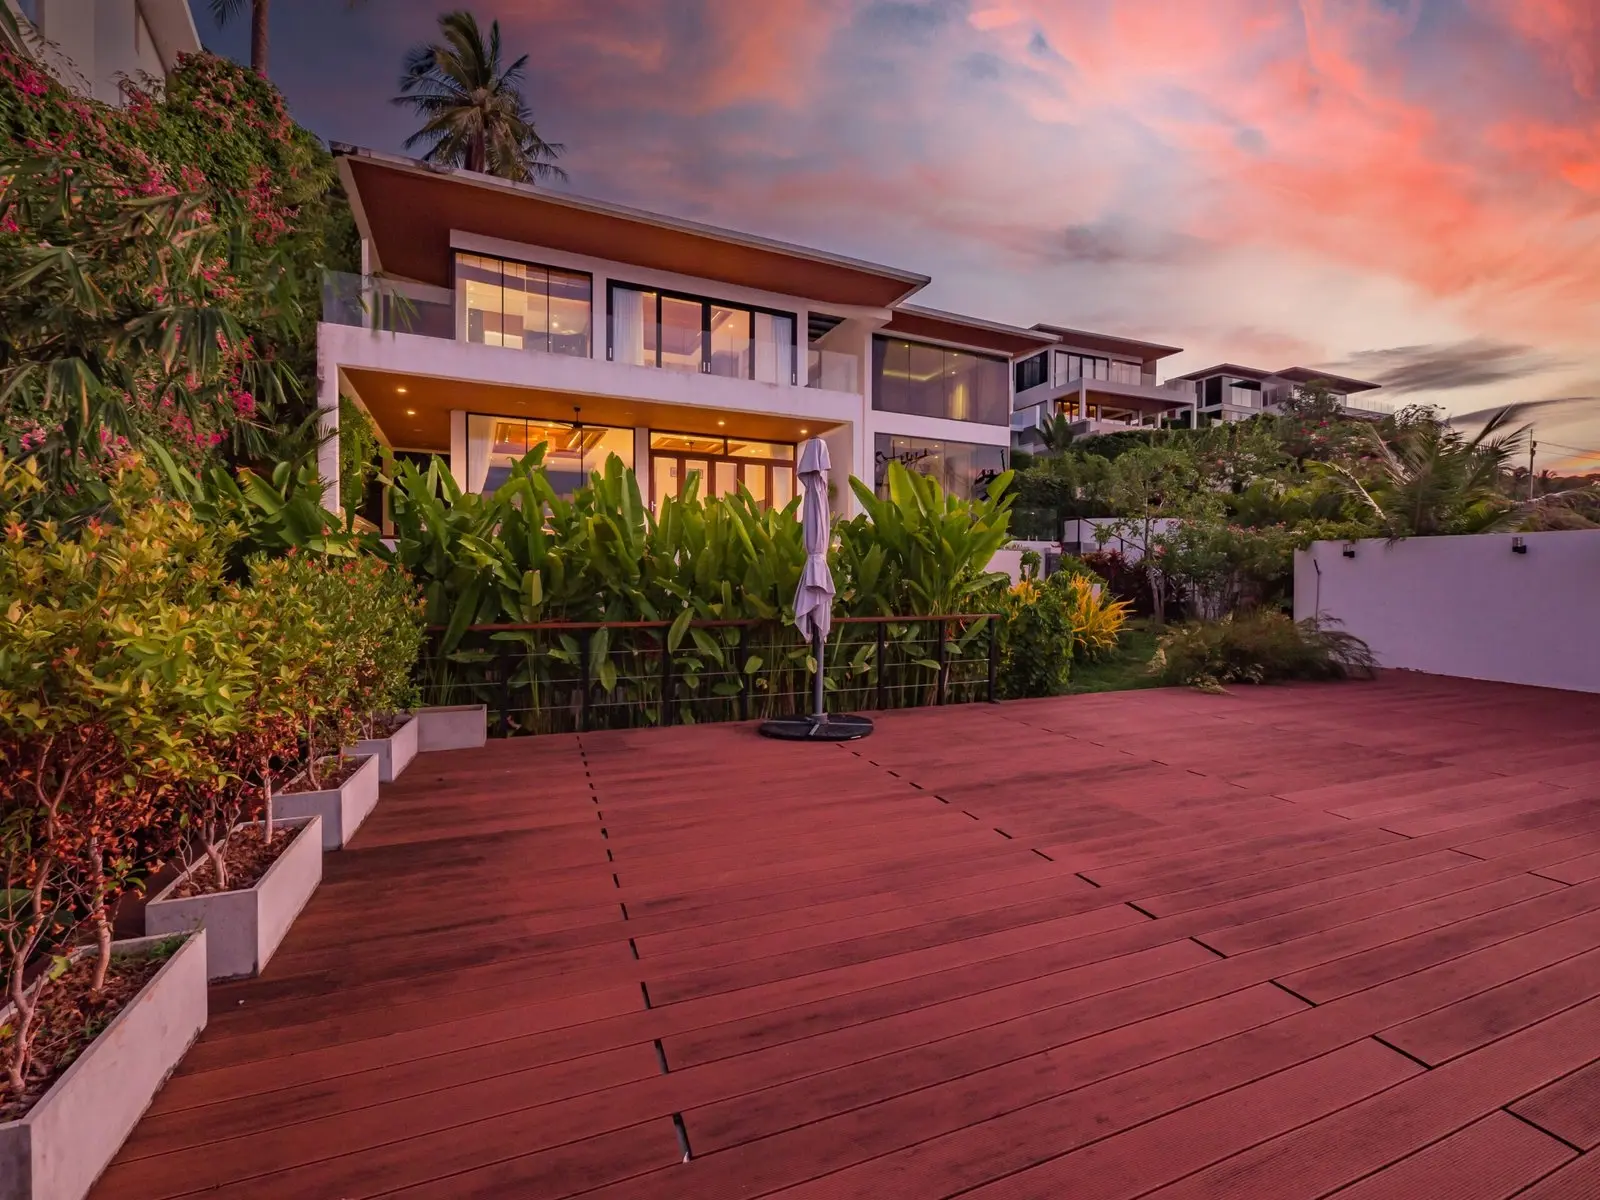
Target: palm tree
<point x="1057" y="433"/>
<point x="1433" y="479"/>
<point x="223" y="11"/>
<point x="475" y="113"/>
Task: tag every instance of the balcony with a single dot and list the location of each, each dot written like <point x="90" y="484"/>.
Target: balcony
<point x="388" y="305"/>
<point x="833" y="371"/>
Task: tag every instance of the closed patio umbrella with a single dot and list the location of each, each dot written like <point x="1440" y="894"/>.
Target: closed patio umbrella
<point x="813" y="603"/>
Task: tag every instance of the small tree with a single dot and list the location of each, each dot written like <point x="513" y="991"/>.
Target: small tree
<point x="1148" y="485"/>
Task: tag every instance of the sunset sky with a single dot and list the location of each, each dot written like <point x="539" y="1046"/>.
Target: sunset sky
<point x="1403" y="190"/>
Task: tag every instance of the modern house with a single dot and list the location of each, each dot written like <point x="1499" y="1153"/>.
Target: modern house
<point x="492" y="316"/>
<point x="93" y="45"/>
<point x="1229" y="392"/>
<point x="1101" y="383"/>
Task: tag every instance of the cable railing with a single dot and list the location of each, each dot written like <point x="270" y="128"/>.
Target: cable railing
<point x="575" y="676"/>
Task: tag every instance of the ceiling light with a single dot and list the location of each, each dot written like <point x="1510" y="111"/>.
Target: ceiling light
<point x="805" y="431"/>
<point x="401" y="390"/>
<point x="411" y="412"/>
<point x="721" y="422"/>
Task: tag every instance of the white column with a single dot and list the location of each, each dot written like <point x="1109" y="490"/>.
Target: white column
<point x="328" y="423"/>
<point x="641" y="461"/>
<point x="458" y="447"/>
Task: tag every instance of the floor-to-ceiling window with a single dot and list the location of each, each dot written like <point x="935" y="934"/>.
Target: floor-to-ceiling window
<point x="935" y="381"/>
<point x="962" y="468"/>
<point x="572" y="451"/>
<point x="652" y="328"/>
<point x="523" y="306"/>
<point x="723" y="465"/>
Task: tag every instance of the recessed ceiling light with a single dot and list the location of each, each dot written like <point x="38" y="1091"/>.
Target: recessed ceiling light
<point x="805" y="431"/>
<point x="401" y="390"/>
<point x="411" y="412"/>
<point x="721" y="422"/>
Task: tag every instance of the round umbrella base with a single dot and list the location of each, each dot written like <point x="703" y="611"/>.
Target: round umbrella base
<point x="829" y="728"/>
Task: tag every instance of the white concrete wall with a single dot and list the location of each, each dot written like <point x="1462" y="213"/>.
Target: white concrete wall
<point x="89" y="44"/>
<point x="1466" y="606"/>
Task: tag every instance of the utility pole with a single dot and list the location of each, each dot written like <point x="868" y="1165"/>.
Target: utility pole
<point x="1532" y="446"/>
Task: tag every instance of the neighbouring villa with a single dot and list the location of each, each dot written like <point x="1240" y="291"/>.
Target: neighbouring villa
<point x="1229" y="392"/>
<point x="491" y="317"/>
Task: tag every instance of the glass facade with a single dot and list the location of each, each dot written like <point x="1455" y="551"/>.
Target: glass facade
<point x="522" y="306"/>
<point x="962" y="469"/>
<point x="687" y="333"/>
<point x="571" y="451"/>
<point x="722" y="465"/>
<point x="1071" y="366"/>
<point x="933" y="381"/>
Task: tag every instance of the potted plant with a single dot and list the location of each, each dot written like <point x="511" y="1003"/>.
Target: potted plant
<point x="115" y="668"/>
<point x="316" y="602"/>
<point x="385" y="626"/>
<point x="245" y="881"/>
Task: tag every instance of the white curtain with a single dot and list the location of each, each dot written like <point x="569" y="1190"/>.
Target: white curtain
<point x="774" y="348"/>
<point x="627" y="326"/>
<point x="480" y="445"/>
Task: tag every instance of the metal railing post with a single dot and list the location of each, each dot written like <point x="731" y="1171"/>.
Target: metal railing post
<point x="994" y="655"/>
<point x="584" y="639"/>
<point x="505" y="690"/>
<point x="880" y="661"/>
<point x="939" y="657"/>
<point x="666" y="680"/>
<point x="744" y="676"/>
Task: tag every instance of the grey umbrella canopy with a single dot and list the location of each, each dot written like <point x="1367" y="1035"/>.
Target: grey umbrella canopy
<point x="813" y="599"/>
<point x="813" y="603"/>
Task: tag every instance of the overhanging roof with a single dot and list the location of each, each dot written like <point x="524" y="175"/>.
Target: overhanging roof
<point x="1341" y="383"/>
<point x="408" y="210"/>
<point x="914" y="321"/>
<point x="1233" y="369"/>
<point x="1107" y="343"/>
<point x="172" y="29"/>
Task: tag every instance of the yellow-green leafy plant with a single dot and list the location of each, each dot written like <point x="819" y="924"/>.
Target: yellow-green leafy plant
<point x="1095" y="618"/>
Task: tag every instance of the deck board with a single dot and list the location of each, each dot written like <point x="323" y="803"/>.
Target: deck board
<point x="1333" y="940"/>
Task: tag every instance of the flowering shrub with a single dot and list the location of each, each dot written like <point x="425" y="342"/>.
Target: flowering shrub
<point x="156" y="266"/>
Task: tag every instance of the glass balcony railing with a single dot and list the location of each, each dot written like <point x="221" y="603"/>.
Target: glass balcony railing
<point x="387" y="305"/>
<point x="833" y="370"/>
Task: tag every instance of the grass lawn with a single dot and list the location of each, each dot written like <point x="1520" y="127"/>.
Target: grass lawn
<point x="1123" y="671"/>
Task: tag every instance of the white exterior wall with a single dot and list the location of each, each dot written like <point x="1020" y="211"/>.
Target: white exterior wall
<point x="1466" y="606"/>
<point x="90" y="44"/>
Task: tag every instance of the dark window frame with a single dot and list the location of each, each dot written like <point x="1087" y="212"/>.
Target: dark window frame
<point x="706" y="303"/>
<point x="455" y="262"/>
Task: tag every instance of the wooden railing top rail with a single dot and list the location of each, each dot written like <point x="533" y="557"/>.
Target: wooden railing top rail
<point x="747" y="623"/>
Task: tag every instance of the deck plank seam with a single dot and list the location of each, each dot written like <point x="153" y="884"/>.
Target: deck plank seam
<point x="1529" y="1121"/>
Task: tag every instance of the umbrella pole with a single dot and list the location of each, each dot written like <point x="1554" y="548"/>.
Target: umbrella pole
<point x="816" y="684"/>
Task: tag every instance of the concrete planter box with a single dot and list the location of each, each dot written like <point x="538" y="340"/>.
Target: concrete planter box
<point x="458" y="727"/>
<point x="342" y="809"/>
<point x="244" y="927"/>
<point x="394" y="753"/>
<point x="60" y="1148"/>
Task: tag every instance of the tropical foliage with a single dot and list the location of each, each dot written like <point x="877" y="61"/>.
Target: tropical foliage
<point x="1259" y="647"/>
<point x="715" y="577"/>
<point x="474" y="114"/>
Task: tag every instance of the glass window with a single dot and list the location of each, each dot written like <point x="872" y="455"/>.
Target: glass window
<point x="572" y="452"/>
<point x="962" y="468"/>
<point x="571" y="304"/>
<point x="1126" y="372"/>
<point x="522" y="306"/>
<point x="1032" y="372"/>
<point x="686" y="333"/>
<point x="682" y="334"/>
<point x="730" y="341"/>
<point x="932" y="381"/>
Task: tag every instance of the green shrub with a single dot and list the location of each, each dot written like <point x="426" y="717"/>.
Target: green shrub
<point x="1036" y="645"/>
<point x="1259" y="647"/>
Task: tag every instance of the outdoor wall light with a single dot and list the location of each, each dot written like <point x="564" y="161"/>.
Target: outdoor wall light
<point x="1518" y="546"/>
<point x="1349" y="549"/>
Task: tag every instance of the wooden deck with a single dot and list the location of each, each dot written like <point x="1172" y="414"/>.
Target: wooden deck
<point x="1289" y="943"/>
